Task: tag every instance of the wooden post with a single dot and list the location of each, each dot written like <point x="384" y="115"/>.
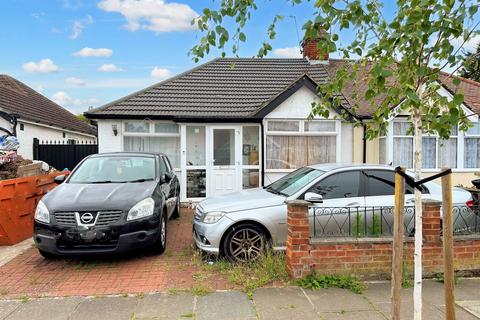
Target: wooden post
<point x="397" y="260"/>
<point x="448" y="246"/>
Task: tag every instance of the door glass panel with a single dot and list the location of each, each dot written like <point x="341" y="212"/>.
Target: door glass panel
<point x="340" y="185"/>
<point x="196" y="183"/>
<point x="224" y="147"/>
<point x="250" y="145"/>
<point x="250" y="178"/>
<point x="196" y="146"/>
<point x="382" y="183"/>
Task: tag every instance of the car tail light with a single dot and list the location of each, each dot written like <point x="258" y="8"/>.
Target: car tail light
<point x="470" y="203"/>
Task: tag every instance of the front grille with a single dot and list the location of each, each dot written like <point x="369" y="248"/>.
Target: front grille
<point x="198" y="213"/>
<point x="105" y="218"/>
<point x="66" y="219"/>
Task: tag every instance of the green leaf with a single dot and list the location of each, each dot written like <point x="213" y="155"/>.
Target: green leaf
<point x="242" y="37"/>
<point x="458" y="99"/>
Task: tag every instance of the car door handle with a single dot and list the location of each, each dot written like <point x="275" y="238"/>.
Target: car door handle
<point x="353" y="204"/>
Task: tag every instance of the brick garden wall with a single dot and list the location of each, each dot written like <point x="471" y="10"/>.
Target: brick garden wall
<point x="370" y="257"/>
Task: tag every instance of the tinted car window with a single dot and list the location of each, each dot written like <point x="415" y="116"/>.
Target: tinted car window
<point x="163" y="166"/>
<point x="339" y="185"/>
<point x="382" y="183"/>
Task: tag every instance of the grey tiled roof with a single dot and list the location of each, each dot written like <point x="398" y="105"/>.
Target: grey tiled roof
<point x="222" y="88"/>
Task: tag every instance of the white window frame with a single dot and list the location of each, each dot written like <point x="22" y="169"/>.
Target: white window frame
<point x="460" y="147"/>
<point x="152" y="133"/>
<point x="337" y="133"/>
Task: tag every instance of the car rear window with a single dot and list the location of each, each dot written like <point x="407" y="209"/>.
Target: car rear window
<point x="114" y="170"/>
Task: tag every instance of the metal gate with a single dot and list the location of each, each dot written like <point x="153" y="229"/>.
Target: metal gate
<point x="63" y="154"/>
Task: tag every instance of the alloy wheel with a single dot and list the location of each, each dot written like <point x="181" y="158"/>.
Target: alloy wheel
<point x="246" y="244"/>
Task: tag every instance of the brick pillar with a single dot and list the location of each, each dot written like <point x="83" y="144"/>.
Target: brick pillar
<point x="431" y="221"/>
<point x="298" y="238"/>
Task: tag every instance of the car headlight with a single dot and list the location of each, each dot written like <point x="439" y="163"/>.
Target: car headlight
<point x="141" y="210"/>
<point x="41" y="213"/>
<point x="212" y="217"/>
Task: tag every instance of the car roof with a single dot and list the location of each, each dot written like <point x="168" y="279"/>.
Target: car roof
<point x="126" y="154"/>
<point x="346" y="166"/>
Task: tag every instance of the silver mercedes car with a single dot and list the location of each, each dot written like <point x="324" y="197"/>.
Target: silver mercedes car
<point x="347" y="200"/>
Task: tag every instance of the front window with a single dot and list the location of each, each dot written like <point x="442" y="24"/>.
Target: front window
<point x="339" y="185"/>
<point x="472" y="147"/>
<point x="437" y="152"/>
<point x="155" y="137"/>
<point x="292" y="144"/>
<point x="295" y="181"/>
<point x="116" y="169"/>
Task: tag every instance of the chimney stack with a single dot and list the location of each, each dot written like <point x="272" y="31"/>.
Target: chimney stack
<point x="310" y="48"/>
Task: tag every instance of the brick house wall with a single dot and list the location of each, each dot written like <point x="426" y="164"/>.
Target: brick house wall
<point x="370" y="257"/>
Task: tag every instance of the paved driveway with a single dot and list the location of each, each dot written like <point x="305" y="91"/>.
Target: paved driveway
<point x="30" y="275"/>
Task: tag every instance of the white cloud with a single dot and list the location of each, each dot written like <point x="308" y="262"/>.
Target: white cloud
<point x="63" y="99"/>
<point x="109" y="67"/>
<point x="291" y="52"/>
<point x="91" y="52"/>
<point x="160" y="73"/>
<point x="153" y="15"/>
<point x="79" y="25"/>
<point x="40" y="88"/>
<point x="42" y="66"/>
<point x="470" y="45"/>
<point x="74" y="81"/>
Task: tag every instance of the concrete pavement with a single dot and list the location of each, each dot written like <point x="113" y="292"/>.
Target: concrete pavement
<point x="267" y="303"/>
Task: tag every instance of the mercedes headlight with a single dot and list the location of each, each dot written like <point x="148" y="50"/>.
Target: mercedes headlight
<point x="41" y="213"/>
<point x="212" y="217"/>
<point x="141" y="210"/>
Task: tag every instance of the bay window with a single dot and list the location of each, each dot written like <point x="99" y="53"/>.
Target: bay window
<point x="472" y="147"/>
<point x="292" y="144"/>
<point x="156" y="137"/>
<point x="436" y="152"/>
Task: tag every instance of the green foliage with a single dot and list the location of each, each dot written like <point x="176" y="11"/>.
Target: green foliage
<point x="316" y="282"/>
<point x="268" y="268"/>
<point x="407" y="277"/>
<point x="440" y="277"/>
<point x="81" y="117"/>
<point x="374" y="228"/>
<point x="471" y="65"/>
<point x="399" y="58"/>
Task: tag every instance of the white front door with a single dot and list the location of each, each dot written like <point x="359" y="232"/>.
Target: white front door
<point x="225" y="160"/>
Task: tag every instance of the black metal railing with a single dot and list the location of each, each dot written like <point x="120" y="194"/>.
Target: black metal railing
<point x="361" y="222"/>
<point x="466" y="220"/>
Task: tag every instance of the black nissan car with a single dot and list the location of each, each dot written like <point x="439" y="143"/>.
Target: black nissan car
<point x="110" y="203"/>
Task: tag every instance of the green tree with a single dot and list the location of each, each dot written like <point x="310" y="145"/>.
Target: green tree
<point x="81" y="117"/>
<point x="399" y="57"/>
<point x="471" y="65"/>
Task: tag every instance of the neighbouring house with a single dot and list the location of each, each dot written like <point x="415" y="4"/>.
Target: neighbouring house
<point x="27" y="114"/>
<point x="233" y="124"/>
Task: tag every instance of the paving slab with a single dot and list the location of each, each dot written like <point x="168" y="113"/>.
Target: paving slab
<point x="7" y="253"/>
<point x="338" y="300"/>
<point x="353" y="315"/>
<point x="232" y="305"/>
<point x="105" y="308"/>
<point x="164" y="306"/>
<point x="471" y="306"/>
<point x="283" y="303"/>
<point x="46" y="308"/>
<point x="7" y="307"/>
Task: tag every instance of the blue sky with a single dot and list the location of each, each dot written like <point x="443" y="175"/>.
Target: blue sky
<point x="84" y="53"/>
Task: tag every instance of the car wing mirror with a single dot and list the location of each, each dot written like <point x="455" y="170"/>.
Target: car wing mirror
<point x="167" y="177"/>
<point x="313" y="197"/>
<point x="59" y="179"/>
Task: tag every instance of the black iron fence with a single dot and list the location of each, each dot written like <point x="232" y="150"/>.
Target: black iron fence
<point x="63" y="154"/>
<point x="358" y="222"/>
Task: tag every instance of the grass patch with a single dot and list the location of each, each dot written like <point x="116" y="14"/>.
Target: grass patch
<point x="188" y="315"/>
<point x="3" y="292"/>
<point x="200" y="290"/>
<point x="316" y="282"/>
<point x="407" y="277"/>
<point x="268" y="268"/>
<point x="440" y="277"/>
<point x="24" y="299"/>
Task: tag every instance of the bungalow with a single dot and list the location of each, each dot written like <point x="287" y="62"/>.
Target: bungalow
<point x="27" y="114"/>
<point x="238" y="123"/>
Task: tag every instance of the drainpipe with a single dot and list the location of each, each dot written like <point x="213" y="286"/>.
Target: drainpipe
<point x="263" y="153"/>
<point x="364" y="143"/>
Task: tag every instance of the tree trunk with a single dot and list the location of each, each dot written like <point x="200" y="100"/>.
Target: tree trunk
<point x="417" y="165"/>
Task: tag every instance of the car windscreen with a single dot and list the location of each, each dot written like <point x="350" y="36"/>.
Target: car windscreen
<point x="115" y="169"/>
<point x="294" y="181"/>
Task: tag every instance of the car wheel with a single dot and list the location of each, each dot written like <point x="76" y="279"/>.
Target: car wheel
<point x="245" y="242"/>
<point x="176" y="211"/>
<point x="161" y="243"/>
<point x="47" y="255"/>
